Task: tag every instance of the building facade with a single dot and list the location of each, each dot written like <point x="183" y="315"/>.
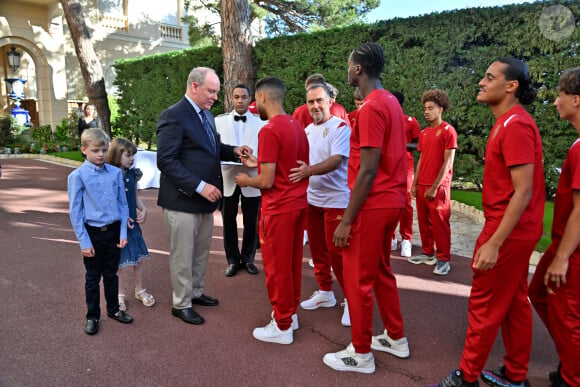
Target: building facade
<point x="37" y="31"/>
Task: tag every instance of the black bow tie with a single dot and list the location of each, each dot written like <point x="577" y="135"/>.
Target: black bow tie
<point x="238" y="118"/>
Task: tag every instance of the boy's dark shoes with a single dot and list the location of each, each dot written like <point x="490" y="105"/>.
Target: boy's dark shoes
<point x="205" y="300"/>
<point x="188" y="315"/>
<point x="92" y="327"/>
<point x="121" y="317"/>
<point x="499" y="379"/>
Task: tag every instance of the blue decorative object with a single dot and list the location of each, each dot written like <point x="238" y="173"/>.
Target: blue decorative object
<point x="21" y="115"/>
<point x="16" y="88"/>
<point x="17" y="94"/>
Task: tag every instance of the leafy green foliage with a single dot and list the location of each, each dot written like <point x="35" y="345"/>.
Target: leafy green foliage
<point x="449" y="50"/>
<point x="7" y="130"/>
<point x="41" y="133"/>
<point x="113" y="106"/>
<point x="282" y="16"/>
<point x="201" y="35"/>
<point x="68" y="129"/>
<point x="149" y="85"/>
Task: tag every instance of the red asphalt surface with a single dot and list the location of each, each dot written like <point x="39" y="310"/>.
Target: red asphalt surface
<point x="42" y="309"/>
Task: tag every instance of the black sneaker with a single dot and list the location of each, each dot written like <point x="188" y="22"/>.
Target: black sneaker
<point x="455" y="379"/>
<point x="555" y="376"/>
<point x="559" y="383"/>
<point x="497" y="378"/>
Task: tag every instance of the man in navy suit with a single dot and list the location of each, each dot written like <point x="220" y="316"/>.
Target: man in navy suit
<point x="189" y="151"/>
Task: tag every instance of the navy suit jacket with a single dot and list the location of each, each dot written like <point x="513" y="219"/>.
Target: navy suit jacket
<point x="185" y="157"/>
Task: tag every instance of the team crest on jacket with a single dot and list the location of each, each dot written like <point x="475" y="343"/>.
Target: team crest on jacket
<point x="325" y="133"/>
<point x="438" y="133"/>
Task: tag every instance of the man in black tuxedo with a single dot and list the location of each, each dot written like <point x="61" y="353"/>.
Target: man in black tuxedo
<point x="189" y="151"/>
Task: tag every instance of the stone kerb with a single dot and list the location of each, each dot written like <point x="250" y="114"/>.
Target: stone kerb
<point x="38" y="156"/>
<point x="477" y="216"/>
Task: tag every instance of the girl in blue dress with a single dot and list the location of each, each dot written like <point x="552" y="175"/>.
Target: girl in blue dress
<point x="122" y="154"/>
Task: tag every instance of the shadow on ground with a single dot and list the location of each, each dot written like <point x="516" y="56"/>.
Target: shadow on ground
<point x="42" y="312"/>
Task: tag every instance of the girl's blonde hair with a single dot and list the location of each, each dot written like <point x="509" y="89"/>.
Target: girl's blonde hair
<point x="116" y="149"/>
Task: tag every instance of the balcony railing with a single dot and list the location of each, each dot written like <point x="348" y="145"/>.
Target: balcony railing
<point x="170" y="32"/>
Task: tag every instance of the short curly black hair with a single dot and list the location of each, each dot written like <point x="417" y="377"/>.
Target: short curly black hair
<point x="570" y="81"/>
<point x="438" y="96"/>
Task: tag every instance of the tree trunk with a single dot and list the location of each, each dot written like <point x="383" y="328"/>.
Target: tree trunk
<point x="236" y="47"/>
<point x="89" y="62"/>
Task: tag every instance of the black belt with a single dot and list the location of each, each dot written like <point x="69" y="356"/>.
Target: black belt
<point x="103" y="228"/>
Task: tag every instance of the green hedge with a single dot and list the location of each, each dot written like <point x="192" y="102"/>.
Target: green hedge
<point x="449" y="50"/>
<point x="149" y="85"/>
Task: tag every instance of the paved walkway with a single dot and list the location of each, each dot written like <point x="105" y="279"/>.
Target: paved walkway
<point x="42" y="311"/>
<point x="463" y="229"/>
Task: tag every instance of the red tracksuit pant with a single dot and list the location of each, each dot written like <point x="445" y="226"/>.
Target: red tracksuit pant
<point x="321" y="225"/>
<point x="499" y="298"/>
<point x="406" y="222"/>
<point x="281" y="238"/>
<point x="367" y="267"/>
<point x="559" y="309"/>
<point x="433" y="218"/>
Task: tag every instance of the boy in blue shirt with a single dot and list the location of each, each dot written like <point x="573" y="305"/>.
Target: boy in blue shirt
<point x="99" y="214"/>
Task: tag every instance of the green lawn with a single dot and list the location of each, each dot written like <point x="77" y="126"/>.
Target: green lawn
<point x="72" y="155"/>
<point x="473" y="198"/>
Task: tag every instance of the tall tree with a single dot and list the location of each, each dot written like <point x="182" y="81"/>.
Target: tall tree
<point x="292" y="16"/>
<point x="282" y="17"/>
<point x="91" y="68"/>
<point x="237" y="43"/>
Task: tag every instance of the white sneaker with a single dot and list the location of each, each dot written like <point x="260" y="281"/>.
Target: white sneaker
<point x="442" y="267"/>
<point x="345" y="320"/>
<point x="319" y="298"/>
<point x="394" y="244"/>
<point x="294" y="324"/>
<point x="426" y="259"/>
<point x="398" y="348"/>
<point x="349" y="360"/>
<point x="406" y="248"/>
<point x="272" y="334"/>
